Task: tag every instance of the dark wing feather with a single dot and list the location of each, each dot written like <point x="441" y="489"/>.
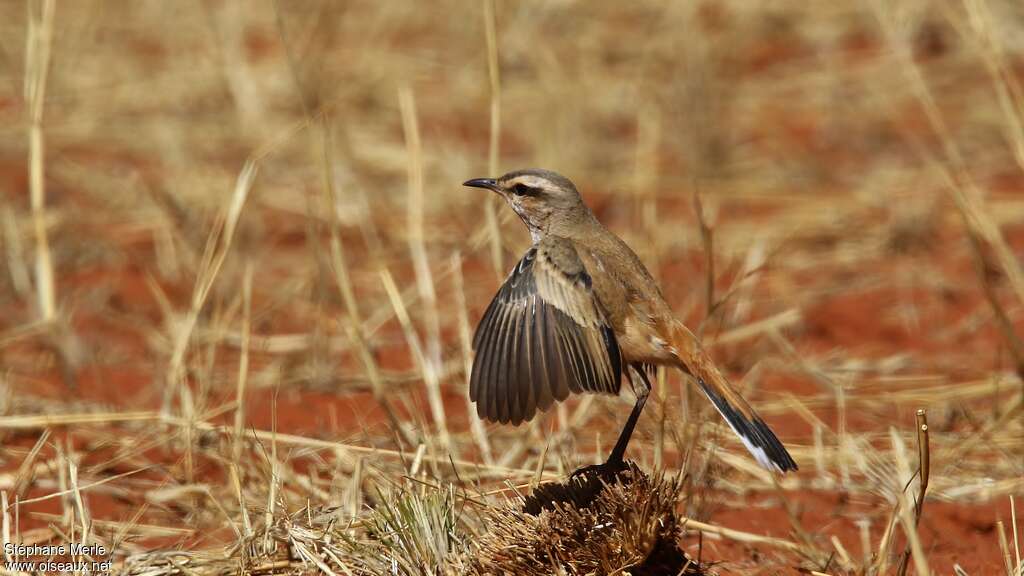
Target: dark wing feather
<point x="499" y="372"/>
<point x="543" y="337"/>
<point x="519" y="364"/>
<point x="480" y="380"/>
<point x="541" y="383"/>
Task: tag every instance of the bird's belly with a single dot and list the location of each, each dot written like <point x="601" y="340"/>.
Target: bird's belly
<point x="640" y="342"/>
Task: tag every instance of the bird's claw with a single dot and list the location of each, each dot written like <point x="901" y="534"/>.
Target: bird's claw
<point x="602" y="469"/>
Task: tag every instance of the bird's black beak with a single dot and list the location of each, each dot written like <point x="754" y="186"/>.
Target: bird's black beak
<point x="488" y="183"/>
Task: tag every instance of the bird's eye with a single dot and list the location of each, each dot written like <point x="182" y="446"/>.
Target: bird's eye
<point x="524" y="190"/>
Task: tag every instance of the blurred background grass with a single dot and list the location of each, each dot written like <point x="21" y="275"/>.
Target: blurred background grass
<point x="253" y="221"/>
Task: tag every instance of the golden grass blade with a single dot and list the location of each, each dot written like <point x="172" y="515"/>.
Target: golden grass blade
<point x="963" y="188"/>
<point x="314" y="443"/>
<point x="779" y="321"/>
<point x="143" y="530"/>
<point x="1005" y="83"/>
<point x="494" y="148"/>
<point x="217" y="248"/>
<point x="77" y="490"/>
<point x="243" y="361"/>
<point x="739" y="535"/>
<point x="37" y="66"/>
<point x="907" y="522"/>
<point x="476" y="425"/>
<point x="5" y="526"/>
<point x="430" y="377"/>
<point x="83" y="515"/>
<point x="25" y="471"/>
<point x="660" y="395"/>
<point x="431" y="366"/>
<point x="243" y="509"/>
<point x="38" y="421"/>
<point x="21" y="280"/>
<point x="275" y="475"/>
<point x="1016" y="541"/>
<point x="354" y="326"/>
<point x="1005" y="548"/>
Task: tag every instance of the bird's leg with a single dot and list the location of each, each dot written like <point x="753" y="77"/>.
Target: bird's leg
<point x="615" y="459"/>
<point x="615" y="463"/>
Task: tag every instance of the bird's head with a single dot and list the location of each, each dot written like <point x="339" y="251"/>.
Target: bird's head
<point x="541" y="198"/>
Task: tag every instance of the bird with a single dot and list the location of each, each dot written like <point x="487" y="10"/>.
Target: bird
<point x="577" y="313"/>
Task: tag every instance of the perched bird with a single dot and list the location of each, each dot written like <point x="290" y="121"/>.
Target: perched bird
<point x="578" y="311"/>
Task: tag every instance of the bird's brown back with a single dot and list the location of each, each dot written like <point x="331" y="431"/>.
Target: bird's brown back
<point x="624" y="288"/>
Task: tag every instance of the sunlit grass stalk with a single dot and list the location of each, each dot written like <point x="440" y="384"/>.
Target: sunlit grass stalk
<point x="739" y="535"/>
<point x="37" y="66"/>
<point x="1004" y="547"/>
<point x="1016" y="540"/>
<point x="217" y="248"/>
<point x="411" y="338"/>
<point x="645" y="175"/>
<point x="421" y="264"/>
<point x="5" y="526"/>
<point x="476" y="425"/>
<point x="25" y="470"/>
<point x="296" y="440"/>
<point x="83" y="513"/>
<point x="236" y="486"/>
<point x="275" y="475"/>
<point x="1004" y="81"/>
<point x="21" y="279"/>
<point x="243" y="361"/>
<point x="964" y="191"/>
<point x="494" y="148"/>
<point x="907" y="522"/>
<point x="353" y="325"/>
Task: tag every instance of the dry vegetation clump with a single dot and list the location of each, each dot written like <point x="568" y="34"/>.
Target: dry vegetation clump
<point x="599" y="522"/>
<point x="409" y="532"/>
<point x="412" y="533"/>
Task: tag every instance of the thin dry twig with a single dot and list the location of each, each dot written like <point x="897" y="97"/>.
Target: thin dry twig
<point x="923" y="472"/>
<point x="494" y="147"/>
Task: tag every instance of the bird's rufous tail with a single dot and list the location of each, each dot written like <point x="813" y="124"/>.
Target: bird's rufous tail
<point x="744" y="421"/>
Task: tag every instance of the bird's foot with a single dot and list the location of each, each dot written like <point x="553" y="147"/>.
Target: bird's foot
<point x="605" y="469"/>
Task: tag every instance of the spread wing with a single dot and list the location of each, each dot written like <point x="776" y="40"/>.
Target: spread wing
<point x="543" y="336"/>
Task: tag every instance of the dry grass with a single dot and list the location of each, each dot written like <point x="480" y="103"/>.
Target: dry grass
<point x="240" y="276"/>
<point x="595" y="523"/>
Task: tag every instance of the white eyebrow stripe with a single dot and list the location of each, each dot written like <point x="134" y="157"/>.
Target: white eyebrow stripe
<point x="531" y="181"/>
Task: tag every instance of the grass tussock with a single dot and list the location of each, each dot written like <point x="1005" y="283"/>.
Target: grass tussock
<point x="619" y="523"/>
<point x="600" y="522"/>
<point x="414" y="532"/>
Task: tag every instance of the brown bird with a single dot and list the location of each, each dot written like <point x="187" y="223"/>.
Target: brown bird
<point x="577" y="312"/>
